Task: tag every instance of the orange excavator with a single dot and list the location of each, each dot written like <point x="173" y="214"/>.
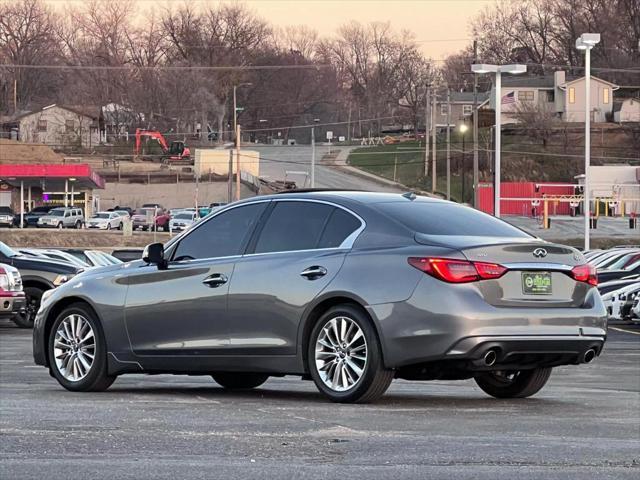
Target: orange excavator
<point x="177" y="153"/>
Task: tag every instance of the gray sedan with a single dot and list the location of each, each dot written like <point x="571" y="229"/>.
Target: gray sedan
<point x="349" y="289"/>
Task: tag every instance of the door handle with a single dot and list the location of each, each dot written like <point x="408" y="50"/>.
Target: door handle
<point x="215" y="280"/>
<point x="314" y="272"/>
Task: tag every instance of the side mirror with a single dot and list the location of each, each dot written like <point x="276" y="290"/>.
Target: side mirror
<point x="154" y="253"/>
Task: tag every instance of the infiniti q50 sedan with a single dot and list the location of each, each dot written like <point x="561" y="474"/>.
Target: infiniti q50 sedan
<point x="349" y="289"/>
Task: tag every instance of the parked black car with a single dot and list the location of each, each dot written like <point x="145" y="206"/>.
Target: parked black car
<point x="609" y="275"/>
<point x="31" y="218"/>
<point x="38" y="275"/>
<point x="7" y="217"/>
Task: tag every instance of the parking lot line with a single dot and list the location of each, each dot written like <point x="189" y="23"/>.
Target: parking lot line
<point x="623" y="330"/>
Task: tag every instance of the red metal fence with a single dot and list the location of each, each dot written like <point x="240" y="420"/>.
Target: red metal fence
<point x="511" y="192"/>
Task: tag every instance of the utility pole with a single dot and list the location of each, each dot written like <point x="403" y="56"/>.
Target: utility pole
<point x="349" y="125"/>
<point x="313" y="156"/>
<point x="15" y="95"/>
<point x="448" y="144"/>
<point x="476" y="167"/>
<point x="427" y="129"/>
<point x="434" y="125"/>
<point x="235" y="112"/>
<point x="238" y="162"/>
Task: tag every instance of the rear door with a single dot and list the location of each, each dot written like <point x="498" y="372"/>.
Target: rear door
<point x="296" y="254"/>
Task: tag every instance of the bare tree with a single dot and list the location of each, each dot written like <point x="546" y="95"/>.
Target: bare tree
<point x="27" y="37"/>
<point x="538" y="120"/>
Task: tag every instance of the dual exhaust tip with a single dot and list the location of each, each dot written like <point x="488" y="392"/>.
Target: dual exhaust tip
<point x="491" y="356"/>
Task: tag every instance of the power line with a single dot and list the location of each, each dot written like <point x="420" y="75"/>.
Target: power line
<point x="165" y="67"/>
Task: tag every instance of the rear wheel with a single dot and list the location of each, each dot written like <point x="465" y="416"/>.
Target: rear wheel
<point x="240" y="381"/>
<point x="513" y="383"/>
<point x="345" y="358"/>
<point x="78" y="225"/>
<point x="60" y="226"/>
<point x="78" y="351"/>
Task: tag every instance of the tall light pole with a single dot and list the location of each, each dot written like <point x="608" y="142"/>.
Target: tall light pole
<point x="498" y="70"/>
<point x="586" y="42"/>
<point x="462" y="129"/>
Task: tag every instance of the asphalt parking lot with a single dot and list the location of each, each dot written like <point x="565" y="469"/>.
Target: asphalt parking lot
<point x="585" y="424"/>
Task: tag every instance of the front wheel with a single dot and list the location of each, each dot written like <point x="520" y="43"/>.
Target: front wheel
<point x="78" y="351"/>
<point x="513" y="383"/>
<point x="33" y="296"/>
<point x="240" y="381"/>
<point x="60" y="226"/>
<point x="345" y="358"/>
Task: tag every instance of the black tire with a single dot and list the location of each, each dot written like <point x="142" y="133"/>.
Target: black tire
<point x="375" y="379"/>
<point x="26" y="319"/>
<point x="97" y="379"/>
<point x="166" y="227"/>
<point x="108" y="226"/>
<point x="519" y="384"/>
<point x="239" y="381"/>
<point x="60" y="226"/>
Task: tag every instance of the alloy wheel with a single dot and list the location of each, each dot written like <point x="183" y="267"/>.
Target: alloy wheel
<point x="341" y="354"/>
<point x="74" y="347"/>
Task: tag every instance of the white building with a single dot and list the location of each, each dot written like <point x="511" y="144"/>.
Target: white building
<point x="565" y="98"/>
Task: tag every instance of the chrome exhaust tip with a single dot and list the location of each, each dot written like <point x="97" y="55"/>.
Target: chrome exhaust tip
<point x="490" y="358"/>
<point x="589" y="355"/>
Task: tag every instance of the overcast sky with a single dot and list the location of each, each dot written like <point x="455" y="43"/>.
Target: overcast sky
<point x="441" y="26"/>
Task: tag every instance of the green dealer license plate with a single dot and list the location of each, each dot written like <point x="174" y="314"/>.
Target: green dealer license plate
<point x="536" y="283"/>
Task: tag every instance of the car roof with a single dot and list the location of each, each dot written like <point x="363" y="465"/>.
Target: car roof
<point x="353" y="195"/>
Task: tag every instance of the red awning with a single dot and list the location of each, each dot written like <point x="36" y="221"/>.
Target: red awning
<point x="53" y="176"/>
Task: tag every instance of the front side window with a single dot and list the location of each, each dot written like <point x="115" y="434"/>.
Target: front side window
<point x="224" y="235"/>
<point x="572" y="95"/>
<point x="69" y="126"/>
<point x="466" y="110"/>
<point x="294" y="226"/>
<point x="444" y="109"/>
<point x="42" y="125"/>
<point x="605" y="95"/>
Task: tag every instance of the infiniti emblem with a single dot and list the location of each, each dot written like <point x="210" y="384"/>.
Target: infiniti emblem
<point x="539" y="253"/>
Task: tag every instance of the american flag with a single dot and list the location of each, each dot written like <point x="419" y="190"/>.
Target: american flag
<point x="509" y="98"/>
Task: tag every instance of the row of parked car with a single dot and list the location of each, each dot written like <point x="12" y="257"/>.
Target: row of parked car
<point x="149" y="217"/>
<point x="619" y="280"/>
<point x="26" y="273"/>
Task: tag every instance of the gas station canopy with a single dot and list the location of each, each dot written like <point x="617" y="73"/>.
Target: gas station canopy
<point x="51" y="177"/>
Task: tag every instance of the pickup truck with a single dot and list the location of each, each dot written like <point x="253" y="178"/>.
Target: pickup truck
<point x="12" y="298"/>
<point x="38" y="275"/>
<point x="142" y="219"/>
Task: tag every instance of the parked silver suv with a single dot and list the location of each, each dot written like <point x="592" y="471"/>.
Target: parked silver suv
<point x="63" y="217"/>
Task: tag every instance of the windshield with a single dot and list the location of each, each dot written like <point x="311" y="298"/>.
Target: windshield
<point x="56" y="213"/>
<point x="143" y="211"/>
<point x="184" y="216"/>
<point x="102" y="215"/>
<point x="7" y="251"/>
<point x="5" y="210"/>
<point x="436" y="218"/>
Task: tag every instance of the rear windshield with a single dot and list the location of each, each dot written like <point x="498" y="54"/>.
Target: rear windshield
<point x="433" y="218"/>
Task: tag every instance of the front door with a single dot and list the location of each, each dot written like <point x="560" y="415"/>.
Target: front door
<point x="182" y="310"/>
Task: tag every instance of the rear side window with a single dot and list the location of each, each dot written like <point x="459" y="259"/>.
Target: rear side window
<point x="434" y="218"/>
<point x="341" y="224"/>
<point x="222" y="236"/>
<point x="294" y="226"/>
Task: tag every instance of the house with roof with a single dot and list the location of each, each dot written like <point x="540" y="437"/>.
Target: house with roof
<point x="626" y="110"/>
<point x="58" y="126"/>
<point x="564" y="97"/>
<point x="459" y="108"/>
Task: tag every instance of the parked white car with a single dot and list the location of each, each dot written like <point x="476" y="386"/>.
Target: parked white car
<point x="182" y="220"/>
<point x="618" y="302"/>
<point x="105" y="221"/>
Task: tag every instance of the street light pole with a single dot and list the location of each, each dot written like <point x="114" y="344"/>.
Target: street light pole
<point x="586" y="42"/>
<point x="498" y="70"/>
<point x="313" y="156"/>
<point x="496" y="190"/>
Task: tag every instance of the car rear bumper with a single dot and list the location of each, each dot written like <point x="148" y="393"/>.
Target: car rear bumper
<point x="442" y="323"/>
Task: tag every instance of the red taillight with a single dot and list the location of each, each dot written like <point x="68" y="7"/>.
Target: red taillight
<point x="585" y="273"/>
<point x="457" y="271"/>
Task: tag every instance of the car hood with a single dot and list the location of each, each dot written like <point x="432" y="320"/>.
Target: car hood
<point x="98" y="220"/>
<point x="44" y="265"/>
